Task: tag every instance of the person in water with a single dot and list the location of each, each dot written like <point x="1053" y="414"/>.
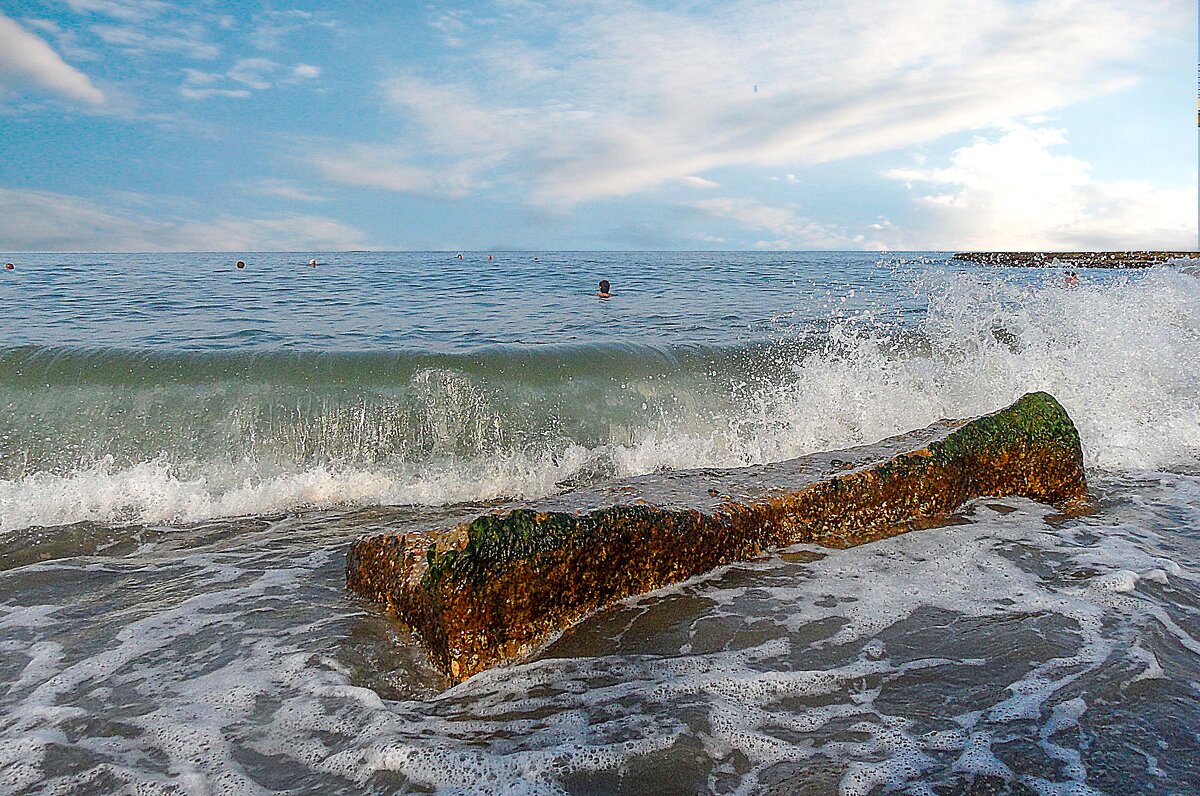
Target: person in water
<point x="604" y="289"/>
<point x="312" y="263"/>
<point x="241" y="264"/>
<point x="1072" y="279"/>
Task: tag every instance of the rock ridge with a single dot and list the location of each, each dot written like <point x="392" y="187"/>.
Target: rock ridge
<point x="497" y="588"/>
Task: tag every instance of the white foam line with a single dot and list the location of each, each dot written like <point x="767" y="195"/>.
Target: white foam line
<point x="1123" y="357"/>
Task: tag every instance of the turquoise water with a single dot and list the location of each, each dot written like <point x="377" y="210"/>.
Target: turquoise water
<point x="187" y="449"/>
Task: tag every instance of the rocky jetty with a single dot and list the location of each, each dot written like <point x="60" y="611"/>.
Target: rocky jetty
<point x="1130" y="259"/>
<point x="497" y="588"/>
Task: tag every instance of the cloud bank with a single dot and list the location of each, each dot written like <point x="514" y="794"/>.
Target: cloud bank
<point x="47" y="221"/>
<point x="605" y="99"/>
<point x="1014" y="191"/>
<point x="787" y="228"/>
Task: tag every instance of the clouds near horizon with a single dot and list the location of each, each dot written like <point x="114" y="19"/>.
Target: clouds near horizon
<point x="600" y="124"/>
<point x="47" y="221"/>
<point x="1016" y="191"/>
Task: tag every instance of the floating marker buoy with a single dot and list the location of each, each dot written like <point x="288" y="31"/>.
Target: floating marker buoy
<point x="241" y="264"/>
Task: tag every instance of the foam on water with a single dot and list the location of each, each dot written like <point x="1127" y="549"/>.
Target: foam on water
<point x="1020" y="649"/>
<point x="1123" y="357"/>
<point x="1061" y="655"/>
<point x="152" y="492"/>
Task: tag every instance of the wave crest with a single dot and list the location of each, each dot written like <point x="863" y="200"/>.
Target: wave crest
<point x="120" y="438"/>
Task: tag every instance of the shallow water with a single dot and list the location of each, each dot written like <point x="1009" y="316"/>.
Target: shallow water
<point x="173" y="527"/>
<point x="1049" y="653"/>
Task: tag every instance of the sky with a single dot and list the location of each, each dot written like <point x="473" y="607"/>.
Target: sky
<point x="152" y="125"/>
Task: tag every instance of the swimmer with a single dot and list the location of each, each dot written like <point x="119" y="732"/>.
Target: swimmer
<point x="241" y="264"/>
<point x="489" y="258"/>
<point x="604" y="288"/>
<point x="312" y="263"/>
<point x="1072" y="279"/>
<point x="460" y="256"/>
<point x="9" y="266"/>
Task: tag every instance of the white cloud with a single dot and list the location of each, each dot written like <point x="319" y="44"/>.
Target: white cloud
<point x="45" y="221"/>
<point x="186" y="38"/>
<point x="253" y="72"/>
<point x="197" y="77"/>
<point x="270" y="28"/>
<point x="305" y="72"/>
<point x="692" y="181"/>
<point x="452" y="25"/>
<point x="281" y="189"/>
<point x="27" y="59"/>
<point x="1013" y="191"/>
<point x="390" y="170"/>
<point x="125" y="10"/>
<point x="190" y="93"/>
<point x="200" y="85"/>
<point x="146" y="27"/>
<point x="66" y="41"/>
<point x="245" y="76"/>
<point x="789" y="230"/>
<point x="617" y="97"/>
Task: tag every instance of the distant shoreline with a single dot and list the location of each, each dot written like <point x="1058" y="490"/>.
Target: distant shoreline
<point x="1129" y="259"/>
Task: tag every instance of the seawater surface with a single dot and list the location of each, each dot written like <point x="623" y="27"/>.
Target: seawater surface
<point x="187" y="449"/>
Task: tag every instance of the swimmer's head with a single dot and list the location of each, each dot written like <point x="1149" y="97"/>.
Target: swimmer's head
<point x="241" y="264"/>
<point x="312" y="263"/>
<point x="9" y="266"/>
<point x="604" y="285"/>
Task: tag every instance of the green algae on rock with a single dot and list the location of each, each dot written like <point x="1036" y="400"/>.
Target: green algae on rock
<point x="497" y="588"/>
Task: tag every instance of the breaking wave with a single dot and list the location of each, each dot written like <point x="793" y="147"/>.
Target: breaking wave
<point x="114" y="437"/>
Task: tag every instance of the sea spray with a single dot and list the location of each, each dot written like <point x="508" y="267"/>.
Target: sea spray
<point x="1012" y="649"/>
<point x="159" y="438"/>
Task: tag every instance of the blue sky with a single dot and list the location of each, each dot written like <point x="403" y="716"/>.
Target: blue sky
<point x="814" y="124"/>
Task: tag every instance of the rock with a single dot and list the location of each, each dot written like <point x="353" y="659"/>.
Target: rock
<point x="1129" y="259"/>
<point x="499" y="587"/>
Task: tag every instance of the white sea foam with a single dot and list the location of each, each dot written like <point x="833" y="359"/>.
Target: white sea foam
<point x="859" y="667"/>
<point x="152" y="492"/>
<point x="753" y="696"/>
<point x="1123" y="358"/>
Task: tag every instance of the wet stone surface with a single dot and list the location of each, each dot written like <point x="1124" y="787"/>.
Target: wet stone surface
<point x="498" y="587"/>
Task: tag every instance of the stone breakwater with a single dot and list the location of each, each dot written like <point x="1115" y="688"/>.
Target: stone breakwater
<point x="499" y="587"/>
<point x="1130" y="259"/>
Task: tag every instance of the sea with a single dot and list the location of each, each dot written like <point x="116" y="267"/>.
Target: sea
<point x="187" y="449"/>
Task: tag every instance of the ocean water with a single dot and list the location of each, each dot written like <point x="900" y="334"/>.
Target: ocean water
<point x="187" y="450"/>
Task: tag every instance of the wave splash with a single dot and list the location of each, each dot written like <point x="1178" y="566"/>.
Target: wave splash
<point x="112" y="438"/>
